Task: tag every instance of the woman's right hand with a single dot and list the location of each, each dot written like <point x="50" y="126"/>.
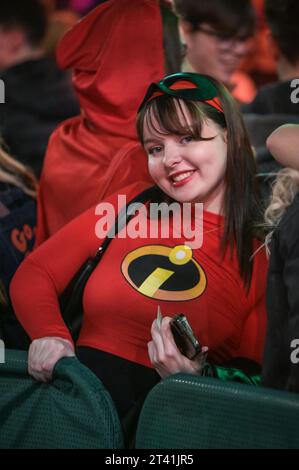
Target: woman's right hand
<point x="43" y="355"/>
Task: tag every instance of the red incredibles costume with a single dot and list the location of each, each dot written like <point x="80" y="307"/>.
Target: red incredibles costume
<point x="122" y="295"/>
<point x="115" y="52"/>
<point x="133" y="278"/>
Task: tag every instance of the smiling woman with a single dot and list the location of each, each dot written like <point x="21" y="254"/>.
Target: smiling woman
<point x="198" y="151"/>
<point x="175" y="161"/>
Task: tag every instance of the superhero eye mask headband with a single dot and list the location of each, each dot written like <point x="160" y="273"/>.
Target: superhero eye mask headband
<point x="188" y="86"/>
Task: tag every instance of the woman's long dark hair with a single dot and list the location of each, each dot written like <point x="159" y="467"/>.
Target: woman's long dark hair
<point x="242" y="208"/>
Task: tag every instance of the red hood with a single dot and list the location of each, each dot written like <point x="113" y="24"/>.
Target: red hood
<point x="115" y="52"/>
<point x="107" y="51"/>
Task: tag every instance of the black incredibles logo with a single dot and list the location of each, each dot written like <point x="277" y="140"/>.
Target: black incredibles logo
<point x="165" y="273"/>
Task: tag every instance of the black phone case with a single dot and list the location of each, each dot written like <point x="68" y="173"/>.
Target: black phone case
<point x="184" y="337"/>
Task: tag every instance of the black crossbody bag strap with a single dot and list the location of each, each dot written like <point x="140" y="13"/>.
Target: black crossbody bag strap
<point x="71" y="300"/>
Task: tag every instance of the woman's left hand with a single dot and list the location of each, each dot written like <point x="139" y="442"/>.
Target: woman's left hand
<point x="165" y="356"/>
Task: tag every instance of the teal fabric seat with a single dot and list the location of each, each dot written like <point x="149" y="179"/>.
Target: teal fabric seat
<point x="73" y="411"/>
<point x="189" y="412"/>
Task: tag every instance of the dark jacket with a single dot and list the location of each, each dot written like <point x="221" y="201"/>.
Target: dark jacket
<point x="38" y="97"/>
<point x="274" y="98"/>
<point x="17" y="235"/>
<point x="283" y="304"/>
<point x="17" y="229"/>
<point x="271" y="108"/>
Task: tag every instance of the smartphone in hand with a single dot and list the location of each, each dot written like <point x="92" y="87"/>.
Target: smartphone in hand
<point x="184" y="337"/>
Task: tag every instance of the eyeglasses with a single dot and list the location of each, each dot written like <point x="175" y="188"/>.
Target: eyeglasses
<point x="187" y="86"/>
<point x="223" y="37"/>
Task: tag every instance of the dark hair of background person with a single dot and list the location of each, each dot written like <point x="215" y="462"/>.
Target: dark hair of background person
<point x="29" y="15"/>
<point x="230" y="17"/>
<point x="3" y="301"/>
<point x="282" y="17"/>
<point x="171" y="38"/>
<point x="242" y="206"/>
<point x="15" y="173"/>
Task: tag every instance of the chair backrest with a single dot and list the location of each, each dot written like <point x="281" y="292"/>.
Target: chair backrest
<point x="73" y="411"/>
<point x="189" y="412"/>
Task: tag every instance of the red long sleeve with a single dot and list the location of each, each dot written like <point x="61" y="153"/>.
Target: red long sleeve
<point x="45" y="274"/>
<point x="122" y="295"/>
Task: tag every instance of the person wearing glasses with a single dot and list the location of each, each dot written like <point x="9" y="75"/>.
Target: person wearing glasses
<point x="217" y="36"/>
<point x="197" y="152"/>
<point x="281" y="96"/>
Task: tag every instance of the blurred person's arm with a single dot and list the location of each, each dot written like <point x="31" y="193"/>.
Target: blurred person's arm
<point x="283" y="144"/>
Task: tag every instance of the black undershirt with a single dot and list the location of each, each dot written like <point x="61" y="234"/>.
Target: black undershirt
<point x="127" y="382"/>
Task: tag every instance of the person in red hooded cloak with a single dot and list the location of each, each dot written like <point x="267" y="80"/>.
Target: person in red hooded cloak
<point x="114" y="52"/>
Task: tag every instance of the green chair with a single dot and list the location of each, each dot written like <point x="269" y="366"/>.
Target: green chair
<point x="73" y="411"/>
<point x="189" y="412"/>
